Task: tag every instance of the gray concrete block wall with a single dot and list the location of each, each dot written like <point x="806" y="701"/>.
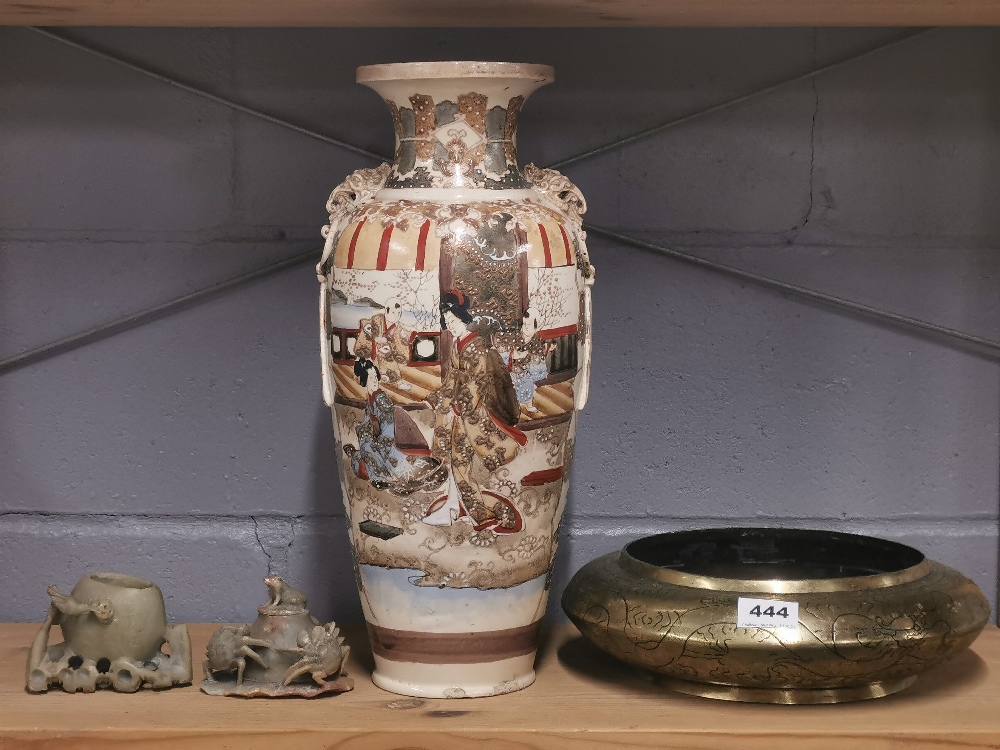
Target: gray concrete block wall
<point x="194" y="448"/>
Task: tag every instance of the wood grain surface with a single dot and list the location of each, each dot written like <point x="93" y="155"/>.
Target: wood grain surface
<point x="488" y="13"/>
<point x="581" y="700"/>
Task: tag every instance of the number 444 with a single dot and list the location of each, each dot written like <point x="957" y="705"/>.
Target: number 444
<point x="769" y="612"/>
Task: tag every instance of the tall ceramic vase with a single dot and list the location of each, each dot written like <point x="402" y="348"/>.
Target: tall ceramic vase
<point x="455" y="314"/>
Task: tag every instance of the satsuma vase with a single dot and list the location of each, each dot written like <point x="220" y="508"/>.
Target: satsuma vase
<point x="455" y="315"/>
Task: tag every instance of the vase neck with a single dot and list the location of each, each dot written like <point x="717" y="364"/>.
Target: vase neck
<point x="456" y="132"/>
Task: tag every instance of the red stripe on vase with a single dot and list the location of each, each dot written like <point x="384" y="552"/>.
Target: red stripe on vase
<point x="569" y="247"/>
<point x="543" y="476"/>
<point x="422" y="245"/>
<point x="553" y="333"/>
<point x="453" y="648"/>
<point x="354" y="244"/>
<point x="519" y="437"/>
<point x="383" y="249"/>
<point x="545" y="246"/>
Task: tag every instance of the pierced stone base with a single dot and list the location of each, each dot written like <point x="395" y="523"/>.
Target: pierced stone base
<point x="276" y="690"/>
<point x="62" y="667"/>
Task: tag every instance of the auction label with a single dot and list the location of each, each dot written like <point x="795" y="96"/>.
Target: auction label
<point x="766" y="613"/>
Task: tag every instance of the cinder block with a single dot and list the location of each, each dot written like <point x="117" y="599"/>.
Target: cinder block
<point x="55" y="289"/>
<point x="665" y="74"/>
<point x="216" y="410"/>
<point x="966" y="281"/>
<point x="907" y="143"/>
<point x="320" y="559"/>
<point x="659" y="74"/>
<point x="760" y="152"/>
<point x="87" y="146"/>
<point x="714" y="398"/>
<point x="207" y="570"/>
<point x="211" y="569"/>
<point x="198" y="56"/>
<point x="299" y="173"/>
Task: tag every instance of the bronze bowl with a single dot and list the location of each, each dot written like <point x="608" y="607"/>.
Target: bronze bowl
<point x="871" y="614"/>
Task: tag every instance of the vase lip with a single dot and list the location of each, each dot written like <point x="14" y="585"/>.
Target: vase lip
<point x="404" y="71"/>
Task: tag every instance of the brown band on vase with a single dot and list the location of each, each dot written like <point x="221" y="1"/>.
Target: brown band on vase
<point x="453" y="648"/>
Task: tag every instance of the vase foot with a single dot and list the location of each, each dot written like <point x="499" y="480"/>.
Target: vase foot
<point x="455" y="680"/>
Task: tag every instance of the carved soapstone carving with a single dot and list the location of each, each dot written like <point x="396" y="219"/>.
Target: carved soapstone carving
<point x="285" y="652"/>
<point x="113" y="627"/>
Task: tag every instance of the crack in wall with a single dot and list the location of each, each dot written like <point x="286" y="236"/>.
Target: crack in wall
<point x="256" y="533"/>
<point x="812" y="158"/>
<point x="275" y="542"/>
<point x="812" y="143"/>
<point x="292" y="523"/>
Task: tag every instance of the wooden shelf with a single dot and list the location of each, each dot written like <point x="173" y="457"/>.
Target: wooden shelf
<point x="490" y="13"/>
<point x="581" y="699"/>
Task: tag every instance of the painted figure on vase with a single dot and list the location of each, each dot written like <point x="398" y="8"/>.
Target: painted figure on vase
<point x="383" y="339"/>
<point x="371" y="329"/>
<point x="527" y="362"/>
<point x="397" y="342"/>
<point x="377" y="457"/>
<point x="475" y="411"/>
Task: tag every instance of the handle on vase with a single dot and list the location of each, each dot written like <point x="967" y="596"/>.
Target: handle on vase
<point x="559" y="193"/>
<point x="324" y="341"/>
<point x="358" y="189"/>
<point x="583" y="391"/>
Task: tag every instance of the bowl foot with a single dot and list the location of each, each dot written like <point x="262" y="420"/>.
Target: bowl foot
<point x="803" y="696"/>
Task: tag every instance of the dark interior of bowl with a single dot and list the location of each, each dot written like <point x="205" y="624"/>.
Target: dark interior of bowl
<point x="766" y="554"/>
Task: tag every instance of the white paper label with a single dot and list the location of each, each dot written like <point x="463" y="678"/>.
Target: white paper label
<point x="766" y="613"/>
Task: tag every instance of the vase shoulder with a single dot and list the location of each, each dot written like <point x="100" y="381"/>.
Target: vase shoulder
<point x="446" y="195"/>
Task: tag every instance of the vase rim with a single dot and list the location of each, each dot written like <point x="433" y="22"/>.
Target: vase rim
<point x="404" y="71"/>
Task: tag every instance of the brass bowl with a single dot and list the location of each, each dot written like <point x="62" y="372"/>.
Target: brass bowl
<point x="872" y="614"/>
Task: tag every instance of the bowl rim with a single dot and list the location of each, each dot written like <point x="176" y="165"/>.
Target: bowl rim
<point x="773" y="585"/>
<point x="122" y="581"/>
